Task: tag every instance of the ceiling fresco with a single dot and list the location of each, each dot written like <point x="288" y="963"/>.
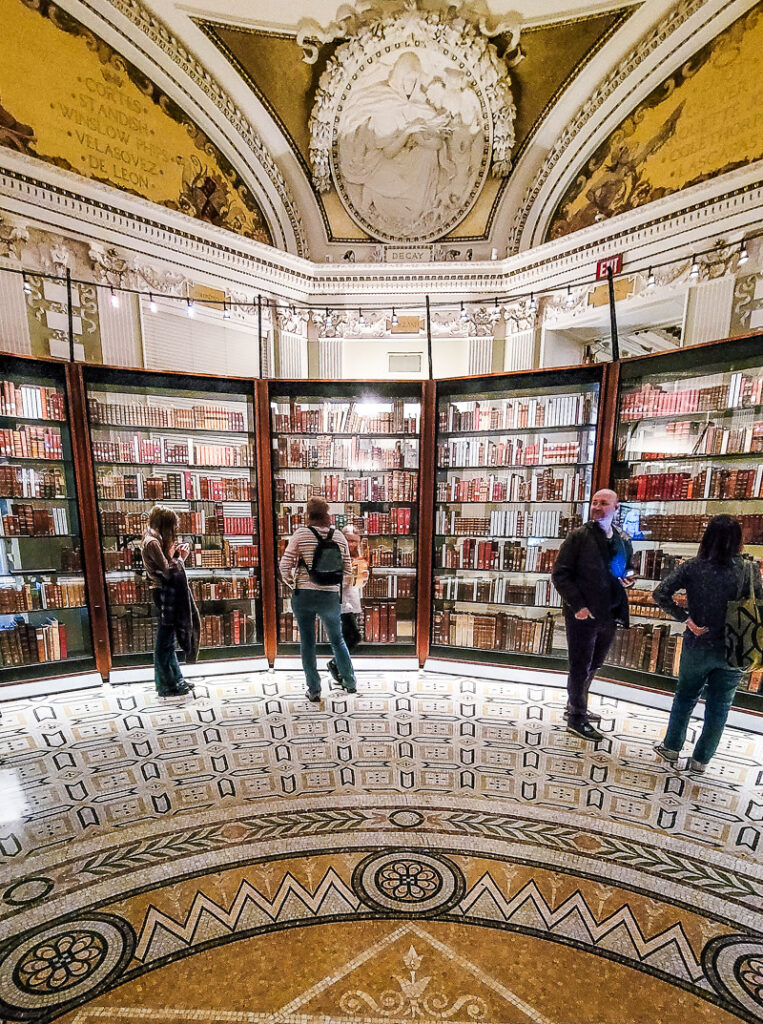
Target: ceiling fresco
<point x="701" y="121"/>
<point x="551" y="57"/>
<point x="68" y="98"/>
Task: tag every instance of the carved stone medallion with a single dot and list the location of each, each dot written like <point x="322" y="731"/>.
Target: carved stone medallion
<point x="407" y="118"/>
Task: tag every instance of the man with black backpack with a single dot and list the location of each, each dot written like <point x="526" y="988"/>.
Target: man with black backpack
<point x="315" y="562"/>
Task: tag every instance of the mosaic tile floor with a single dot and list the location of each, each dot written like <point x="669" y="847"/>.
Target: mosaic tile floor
<point x="435" y="848"/>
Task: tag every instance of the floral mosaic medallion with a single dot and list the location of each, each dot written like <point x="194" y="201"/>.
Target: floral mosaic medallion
<point x="62" y="964"/>
<point x="735" y="966"/>
<point x="409" y="882"/>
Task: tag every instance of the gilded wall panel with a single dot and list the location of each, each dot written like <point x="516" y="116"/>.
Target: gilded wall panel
<point x="68" y="98"/>
<point x="702" y="121"/>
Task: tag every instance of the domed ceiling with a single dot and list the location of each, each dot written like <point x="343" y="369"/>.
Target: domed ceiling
<point x="407" y="121"/>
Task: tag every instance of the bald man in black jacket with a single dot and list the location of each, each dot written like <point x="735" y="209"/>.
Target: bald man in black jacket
<point x="592" y="570"/>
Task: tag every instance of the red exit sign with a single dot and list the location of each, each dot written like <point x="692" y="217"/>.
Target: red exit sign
<point x="615" y="263"/>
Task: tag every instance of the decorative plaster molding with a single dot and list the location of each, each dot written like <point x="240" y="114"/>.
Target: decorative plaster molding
<point x="665" y="28"/>
<point x="454" y="83"/>
<point x="13" y="238"/>
<point x="159" y="33"/>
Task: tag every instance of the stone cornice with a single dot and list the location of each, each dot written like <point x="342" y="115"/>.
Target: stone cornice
<point x="673" y="227"/>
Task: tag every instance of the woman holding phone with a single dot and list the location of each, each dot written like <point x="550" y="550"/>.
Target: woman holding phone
<point x="163" y="559"/>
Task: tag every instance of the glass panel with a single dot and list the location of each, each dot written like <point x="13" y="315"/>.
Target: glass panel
<point x="362" y="455"/>
<point x="195" y="452"/>
<point x="44" y="619"/>
<point x="514" y="471"/>
<point x="689" y="446"/>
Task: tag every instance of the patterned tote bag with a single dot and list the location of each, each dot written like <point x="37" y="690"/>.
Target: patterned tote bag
<point x="744" y="628"/>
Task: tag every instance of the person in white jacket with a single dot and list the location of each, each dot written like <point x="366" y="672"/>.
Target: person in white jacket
<point x="351" y="598"/>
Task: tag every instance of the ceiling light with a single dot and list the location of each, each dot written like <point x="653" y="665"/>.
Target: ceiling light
<point x="743" y="253"/>
<point x="226" y="311"/>
<point x="464" y="314"/>
<point x="152" y="303"/>
<point x="114" y="299"/>
<point x="394" y="321"/>
<point x="26" y="286"/>
<point x="361" y="319"/>
<point x="651" y="281"/>
<point x="533" y="303"/>
<point x="329" y="319"/>
<point x="694" y="270"/>
<point x="190" y="309"/>
<point x="570" y="297"/>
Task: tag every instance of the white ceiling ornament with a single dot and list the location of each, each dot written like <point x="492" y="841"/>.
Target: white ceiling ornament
<point x="409" y="115"/>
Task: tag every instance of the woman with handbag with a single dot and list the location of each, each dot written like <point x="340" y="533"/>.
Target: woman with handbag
<point x="717" y="576"/>
<point x="163" y="559"/>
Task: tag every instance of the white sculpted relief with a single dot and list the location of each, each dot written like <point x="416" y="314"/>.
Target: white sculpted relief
<point x="408" y="118"/>
<point x="410" y="146"/>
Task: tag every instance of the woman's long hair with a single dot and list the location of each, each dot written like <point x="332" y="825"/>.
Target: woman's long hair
<point x="318" y="512"/>
<point x="165" y="521"/>
<point x="722" y="540"/>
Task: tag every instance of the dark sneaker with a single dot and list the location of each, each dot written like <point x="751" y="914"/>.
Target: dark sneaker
<point x="696" y="767"/>
<point x="334" y="672"/>
<point x="585" y="730"/>
<point x="314" y="698"/>
<point x="666" y="753"/>
<point x="352" y="688"/>
<point x="592" y="716"/>
<point x="181" y="689"/>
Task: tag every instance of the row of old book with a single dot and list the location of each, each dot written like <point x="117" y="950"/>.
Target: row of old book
<point x="30" y="442"/>
<point x="734" y="484"/>
<point x="497" y="590"/>
<point x="138" y="591"/>
<point x="655" y="564"/>
<point x="32" y="401"/>
<point x="24" y="643"/>
<point x="463" y="454"/>
<point x="134" y="631"/>
<point x="26" y="482"/>
<point x="396" y="522"/>
<point x="543" y="486"/>
<point x="224" y="556"/>
<point x="573" y="411"/>
<point x="647" y="648"/>
<point x="29" y="521"/>
<point x="197" y="524"/>
<point x="200" y="416"/>
<point x="39" y="594"/>
<point x="399" y="485"/>
<point x="356" y="453"/>
<point x="494" y="632"/>
<point x="230" y="629"/>
<point x="507" y="522"/>
<point x="146" y="451"/>
<point x="171" y="486"/>
<point x="332" y="417"/>
<point x="468" y="553"/>
<point x="691" y="528"/>
<point x="742" y="390"/>
<point x="379" y="624"/>
<point x="713" y="441"/>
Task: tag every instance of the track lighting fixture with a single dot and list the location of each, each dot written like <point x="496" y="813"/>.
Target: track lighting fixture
<point x="27" y="286"/>
<point x="114" y="298"/>
<point x="495" y="313"/>
<point x="152" y="302"/>
<point x="329" y="319"/>
<point x="650" y="281"/>
<point x="394" y="320"/>
<point x="190" y="308"/>
<point x="226" y="310"/>
<point x="743" y="253"/>
<point x="570" y="300"/>
<point x="533" y="303"/>
<point x="464" y="314"/>
<point x="361" y="319"/>
<point x="694" y="270"/>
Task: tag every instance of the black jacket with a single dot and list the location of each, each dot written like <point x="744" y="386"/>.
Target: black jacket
<point x="178" y="608"/>
<point x="582" y="575"/>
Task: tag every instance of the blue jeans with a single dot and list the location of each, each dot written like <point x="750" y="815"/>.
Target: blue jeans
<point x="702" y="667"/>
<point x="306" y="605"/>
<point x="167" y="672"/>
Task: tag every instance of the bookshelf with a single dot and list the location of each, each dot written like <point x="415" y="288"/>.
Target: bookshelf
<point x="688" y="446"/>
<point x="189" y="443"/>
<point x="358" y="446"/>
<point x="45" y="627"/>
<point x="513" y="476"/>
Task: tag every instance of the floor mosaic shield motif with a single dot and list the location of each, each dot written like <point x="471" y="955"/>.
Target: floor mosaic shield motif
<point x="432" y="849"/>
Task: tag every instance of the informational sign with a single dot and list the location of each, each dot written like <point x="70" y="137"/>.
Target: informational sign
<point x="615" y="262"/>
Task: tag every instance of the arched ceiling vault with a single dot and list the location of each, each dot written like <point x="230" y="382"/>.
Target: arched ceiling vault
<point x="236" y="69"/>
